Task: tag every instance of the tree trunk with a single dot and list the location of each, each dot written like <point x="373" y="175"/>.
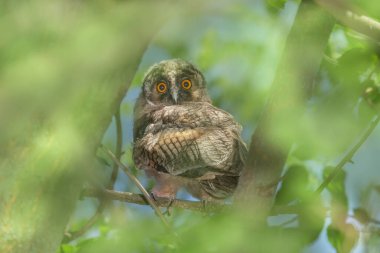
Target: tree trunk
<point x="65" y="67"/>
<point x="277" y="127"/>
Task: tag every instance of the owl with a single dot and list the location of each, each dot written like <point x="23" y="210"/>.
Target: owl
<point x="181" y="139"/>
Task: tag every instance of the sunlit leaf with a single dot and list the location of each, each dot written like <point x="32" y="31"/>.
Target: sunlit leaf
<point x="335" y="237"/>
<point x="67" y="248"/>
<point x="294" y="185"/>
<point x="277" y="4"/>
<point x="344" y="238"/>
<point x="311" y="217"/>
<point x="337" y="187"/>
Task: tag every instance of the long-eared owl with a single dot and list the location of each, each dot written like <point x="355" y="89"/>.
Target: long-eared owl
<point x="181" y="139"/>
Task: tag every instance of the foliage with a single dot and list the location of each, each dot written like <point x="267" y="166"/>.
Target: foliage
<point x="237" y="45"/>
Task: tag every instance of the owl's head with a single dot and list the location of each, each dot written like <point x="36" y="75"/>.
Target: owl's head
<point x="174" y="82"/>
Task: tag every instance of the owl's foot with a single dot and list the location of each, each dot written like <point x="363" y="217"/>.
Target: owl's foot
<point x="209" y="203"/>
<point x="166" y="201"/>
<point x="206" y="206"/>
<point x="169" y="209"/>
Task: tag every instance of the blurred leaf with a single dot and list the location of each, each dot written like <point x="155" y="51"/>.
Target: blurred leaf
<point x="84" y="244"/>
<point x="302" y="152"/>
<point x="335" y="237"/>
<point x="67" y="248"/>
<point x="371" y="94"/>
<point x="362" y="215"/>
<point x="294" y="185"/>
<point x="311" y="217"/>
<point x="337" y="187"/>
<point x="310" y="209"/>
<point x="344" y="238"/>
<point x="370" y="8"/>
<point x="353" y="63"/>
<point x="104" y="229"/>
<point x="337" y="110"/>
<point x="276" y="4"/>
<point x="311" y="220"/>
<point x="341" y="235"/>
<point x="377" y="188"/>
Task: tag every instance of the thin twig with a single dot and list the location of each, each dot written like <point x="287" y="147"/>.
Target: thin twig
<point x="139" y="199"/>
<point x="370" y="220"/>
<point x="139" y="185"/>
<point x="348" y="157"/>
<point x="198" y="206"/>
<point x="70" y="236"/>
<point x="118" y="150"/>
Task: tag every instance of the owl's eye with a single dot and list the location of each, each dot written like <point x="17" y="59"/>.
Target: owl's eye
<point x="161" y="87"/>
<point x="186" y="84"/>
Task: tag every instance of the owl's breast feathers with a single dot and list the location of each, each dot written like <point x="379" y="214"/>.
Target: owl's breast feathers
<point x="194" y="140"/>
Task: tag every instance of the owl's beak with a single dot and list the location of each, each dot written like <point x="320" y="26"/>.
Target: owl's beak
<point x="174" y="94"/>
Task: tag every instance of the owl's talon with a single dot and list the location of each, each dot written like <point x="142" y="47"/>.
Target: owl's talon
<point x="169" y="206"/>
<point x="153" y="196"/>
<point x="204" y="204"/>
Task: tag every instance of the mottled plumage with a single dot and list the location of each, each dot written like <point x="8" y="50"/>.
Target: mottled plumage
<point x="181" y="139"/>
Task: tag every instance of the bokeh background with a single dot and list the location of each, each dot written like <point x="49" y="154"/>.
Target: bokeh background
<point x="237" y="45"/>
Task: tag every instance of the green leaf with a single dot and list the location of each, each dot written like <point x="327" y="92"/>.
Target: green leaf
<point x="335" y="238"/>
<point x="371" y="94"/>
<point x="344" y="238"/>
<point x="311" y="217"/>
<point x="86" y="242"/>
<point x="362" y="215"/>
<point x="311" y="212"/>
<point x="67" y="248"/>
<point x="371" y="8"/>
<point x="337" y="187"/>
<point x="294" y="185"/>
<point x="104" y="229"/>
<point x="353" y="63"/>
<point x="277" y="4"/>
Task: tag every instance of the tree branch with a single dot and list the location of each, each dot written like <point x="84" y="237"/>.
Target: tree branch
<point x="198" y="206"/>
<point x="277" y="127"/>
<point x="70" y="236"/>
<point x="139" y="199"/>
<point x="347" y="15"/>
<point x="118" y="150"/>
<point x="49" y="135"/>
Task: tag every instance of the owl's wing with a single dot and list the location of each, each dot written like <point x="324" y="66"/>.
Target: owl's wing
<point x="194" y="140"/>
<point x="142" y="116"/>
<point x="188" y="152"/>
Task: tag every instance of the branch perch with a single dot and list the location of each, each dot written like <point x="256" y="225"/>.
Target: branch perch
<point x="139" y="199"/>
<point x="198" y="206"/>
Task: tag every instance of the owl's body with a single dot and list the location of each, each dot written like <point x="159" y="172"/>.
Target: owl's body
<point x="181" y="139"/>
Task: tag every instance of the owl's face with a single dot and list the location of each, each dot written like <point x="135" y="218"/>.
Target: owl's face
<point x="174" y="82"/>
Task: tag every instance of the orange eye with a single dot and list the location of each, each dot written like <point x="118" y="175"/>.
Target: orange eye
<point x="186" y="84"/>
<point x="161" y="87"/>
